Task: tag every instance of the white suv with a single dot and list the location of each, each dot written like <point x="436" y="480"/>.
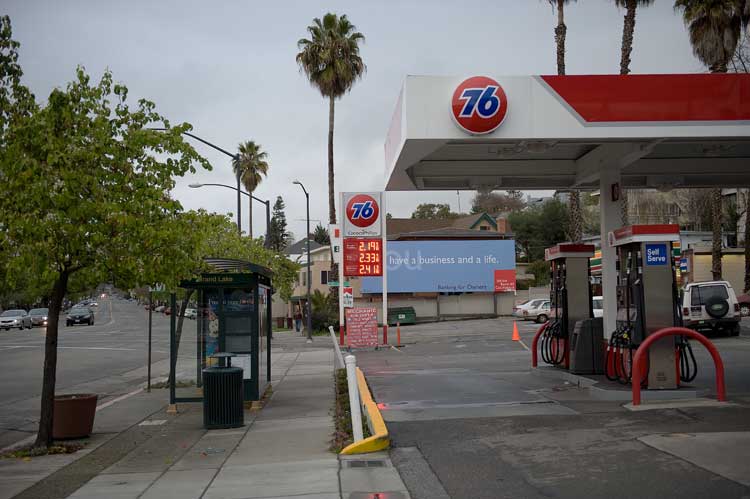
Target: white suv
<point x="711" y="306"/>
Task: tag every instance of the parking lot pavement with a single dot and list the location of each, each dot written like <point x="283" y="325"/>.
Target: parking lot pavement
<point x="463" y="395"/>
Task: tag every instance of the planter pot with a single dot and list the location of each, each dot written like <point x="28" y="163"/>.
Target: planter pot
<point x="74" y="415"/>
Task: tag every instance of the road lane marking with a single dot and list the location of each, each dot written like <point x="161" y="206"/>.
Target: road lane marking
<point x="524" y="345"/>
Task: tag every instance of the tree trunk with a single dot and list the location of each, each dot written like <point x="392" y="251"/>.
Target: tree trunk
<point x="250" y="215"/>
<point x="181" y="319"/>
<point x="331" y="189"/>
<point x="576" y="227"/>
<point x="716" y="239"/>
<point x="747" y="242"/>
<point x="560" y="32"/>
<point x="44" y="435"/>
<point x="628" y="28"/>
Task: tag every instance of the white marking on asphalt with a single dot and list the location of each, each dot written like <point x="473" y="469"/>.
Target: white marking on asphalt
<point x="524" y="345"/>
<point x="152" y="422"/>
<point x="118" y="399"/>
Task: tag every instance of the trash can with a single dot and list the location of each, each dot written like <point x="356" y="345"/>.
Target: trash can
<point x="222" y="394"/>
<point x="402" y="315"/>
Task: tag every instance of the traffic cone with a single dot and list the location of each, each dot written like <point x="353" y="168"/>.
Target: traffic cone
<point x="516" y="336"/>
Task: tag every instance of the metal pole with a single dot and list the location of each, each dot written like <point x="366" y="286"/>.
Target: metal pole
<point x="268" y="223"/>
<point x="309" y="274"/>
<point x="239" y="205"/>
<point x="150" y="307"/>
<point x="354" y="405"/>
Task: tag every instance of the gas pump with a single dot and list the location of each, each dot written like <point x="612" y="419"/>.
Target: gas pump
<point x="570" y="299"/>
<point x="647" y="301"/>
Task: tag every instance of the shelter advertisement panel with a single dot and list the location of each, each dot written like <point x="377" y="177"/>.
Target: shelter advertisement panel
<point x="447" y="266"/>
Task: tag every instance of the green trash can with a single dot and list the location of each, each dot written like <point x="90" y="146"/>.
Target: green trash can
<point x="401" y="315"/>
<point x="222" y="395"/>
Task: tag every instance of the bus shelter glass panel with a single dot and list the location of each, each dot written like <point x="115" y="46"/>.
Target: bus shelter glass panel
<point x="264" y="326"/>
<point x="188" y="346"/>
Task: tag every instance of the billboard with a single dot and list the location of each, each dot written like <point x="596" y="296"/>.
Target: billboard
<point x="447" y="267"/>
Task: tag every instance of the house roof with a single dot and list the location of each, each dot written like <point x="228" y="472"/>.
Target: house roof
<point x="300" y="247"/>
<point x="449" y="233"/>
<point x="400" y="226"/>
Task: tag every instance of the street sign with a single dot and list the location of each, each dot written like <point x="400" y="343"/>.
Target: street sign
<point x="334" y="234"/>
<point x="363" y="257"/>
<point x="362" y="217"/>
<point x="362" y="327"/>
<point x="479" y="105"/>
<point x="333" y="284"/>
<point x="348" y="297"/>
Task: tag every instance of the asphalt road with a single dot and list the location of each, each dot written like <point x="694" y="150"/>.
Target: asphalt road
<point x="469" y="419"/>
<point x="108" y="358"/>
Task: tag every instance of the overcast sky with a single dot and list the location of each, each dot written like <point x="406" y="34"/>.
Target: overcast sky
<point x="228" y="68"/>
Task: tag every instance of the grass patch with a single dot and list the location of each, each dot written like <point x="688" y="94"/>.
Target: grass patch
<point x="26" y="453"/>
<point x="342" y="416"/>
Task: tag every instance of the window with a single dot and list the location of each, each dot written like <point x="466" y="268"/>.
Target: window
<point x="303" y="277"/>
<point x="484" y="227"/>
<point x="324" y="277"/>
<point x="701" y="294"/>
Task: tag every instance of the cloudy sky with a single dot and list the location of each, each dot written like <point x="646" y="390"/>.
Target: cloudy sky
<point x="228" y="68"/>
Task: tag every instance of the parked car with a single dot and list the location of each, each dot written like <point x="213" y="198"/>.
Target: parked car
<point x="160" y="308"/>
<point x="191" y="313"/>
<point x="15" y="318"/>
<point x="711" y="306"/>
<point x="597" y="303"/>
<point x="80" y="315"/>
<point x="39" y="316"/>
<point x="744" y="301"/>
<point x="522" y="310"/>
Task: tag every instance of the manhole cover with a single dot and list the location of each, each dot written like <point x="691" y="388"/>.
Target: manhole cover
<point x="365" y="463"/>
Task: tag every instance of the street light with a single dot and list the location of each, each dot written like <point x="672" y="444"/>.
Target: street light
<point x="267" y="242"/>
<point x="234" y="157"/>
<point x="309" y="309"/>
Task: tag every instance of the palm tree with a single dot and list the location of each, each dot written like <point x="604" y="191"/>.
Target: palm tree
<point x="574" y="199"/>
<point x="714" y="27"/>
<point x="628" y="28"/>
<point x="251" y="166"/>
<point x="331" y="61"/>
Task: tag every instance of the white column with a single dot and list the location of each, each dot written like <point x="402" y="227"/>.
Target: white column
<point x="354" y="407"/>
<point x="610" y="220"/>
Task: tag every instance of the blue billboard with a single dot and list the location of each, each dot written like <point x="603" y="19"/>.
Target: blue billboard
<point x="447" y="267"/>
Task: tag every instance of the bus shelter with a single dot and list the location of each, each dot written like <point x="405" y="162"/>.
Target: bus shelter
<point x="577" y="132"/>
<point x="232" y="305"/>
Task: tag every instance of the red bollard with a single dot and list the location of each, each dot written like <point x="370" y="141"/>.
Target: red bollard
<point x="341" y="335"/>
<point x="385" y="334"/>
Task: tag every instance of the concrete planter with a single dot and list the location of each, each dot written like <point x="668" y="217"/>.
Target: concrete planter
<point x="74" y="415"/>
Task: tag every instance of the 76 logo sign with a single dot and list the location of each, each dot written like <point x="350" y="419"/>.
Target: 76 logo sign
<point x="479" y="105"/>
<point x="362" y="214"/>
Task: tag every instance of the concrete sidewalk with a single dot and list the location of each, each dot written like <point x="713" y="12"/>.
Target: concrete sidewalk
<point x="282" y="451"/>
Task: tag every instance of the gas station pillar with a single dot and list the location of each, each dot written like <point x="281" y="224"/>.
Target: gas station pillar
<point x="611" y="219"/>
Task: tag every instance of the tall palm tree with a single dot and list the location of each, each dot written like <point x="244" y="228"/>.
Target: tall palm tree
<point x="251" y="166"/>
<point x="574" y="199"/>
<point x="330" y="59"/>
<point x="714" y="27"/>
<point x="628" y="28"/>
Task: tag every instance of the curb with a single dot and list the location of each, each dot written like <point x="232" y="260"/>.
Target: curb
<point x="380" y="439"/>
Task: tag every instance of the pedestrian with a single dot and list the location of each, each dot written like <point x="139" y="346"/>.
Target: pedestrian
<point x="297" y="318"/>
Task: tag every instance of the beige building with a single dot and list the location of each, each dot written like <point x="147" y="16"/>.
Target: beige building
<point x="699" y="266"/>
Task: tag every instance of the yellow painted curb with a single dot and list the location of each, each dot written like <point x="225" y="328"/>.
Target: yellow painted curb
<point x="380" y="440"/>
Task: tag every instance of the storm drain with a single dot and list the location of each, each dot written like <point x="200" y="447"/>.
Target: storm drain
<point x="364" y="463"/>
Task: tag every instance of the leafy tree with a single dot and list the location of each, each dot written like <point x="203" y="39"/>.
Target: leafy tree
<point x="497" y="202"/>
<point x="85" y="197"/>
<point x="440" y="211"/>
<point x="278" y="235"/>
<point x="574" y="199"/>
<point x="330" y="59"/>
<point x="540" y="269"/>
<point x="320" y="235"/>
<point x="539" y="227"/>
<point x="714" y="27"/>
<point x="324" y="310"/>
<point x="251" y="165"/>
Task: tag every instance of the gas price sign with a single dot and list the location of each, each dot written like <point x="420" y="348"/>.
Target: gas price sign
<point x="363" y="257"/>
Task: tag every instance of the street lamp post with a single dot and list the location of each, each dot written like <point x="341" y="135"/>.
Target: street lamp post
<point x="267" y="203"/>
<point x="234" y="157"/>
<point x="309" y="275"/>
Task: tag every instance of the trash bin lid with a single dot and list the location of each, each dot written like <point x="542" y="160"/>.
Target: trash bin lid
<point x="222" y="355"/>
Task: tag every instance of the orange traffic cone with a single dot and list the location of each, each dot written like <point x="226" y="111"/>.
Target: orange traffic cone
<point x="516" y="336"/>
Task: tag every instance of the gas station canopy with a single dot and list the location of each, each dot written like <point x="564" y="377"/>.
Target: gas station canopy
<point x="561" y="132"/>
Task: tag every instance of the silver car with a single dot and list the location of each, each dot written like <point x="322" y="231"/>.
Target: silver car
<point x="15" y="318"/>
<point x="39" y="316"/>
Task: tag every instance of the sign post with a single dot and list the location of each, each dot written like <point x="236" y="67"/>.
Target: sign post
<point x="363" y="234"/>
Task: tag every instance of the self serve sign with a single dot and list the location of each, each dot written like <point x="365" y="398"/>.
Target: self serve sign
<point x="656" y="254"/>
